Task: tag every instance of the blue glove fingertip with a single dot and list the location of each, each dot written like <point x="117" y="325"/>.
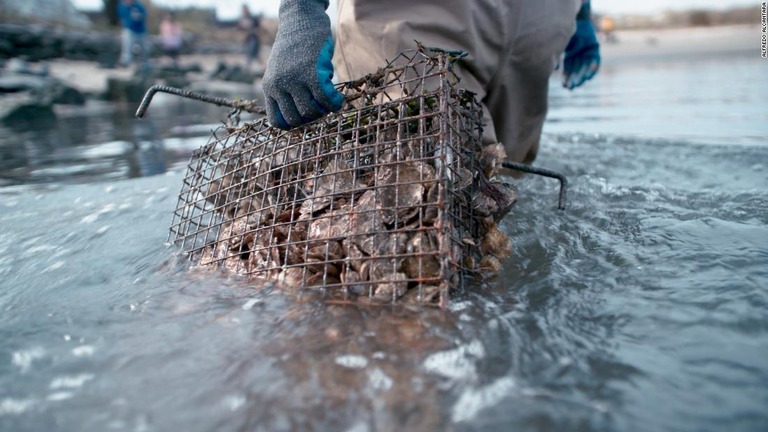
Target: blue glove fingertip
<point x="281" y="123"/>
<point x="325" y="76"/>
<point x="276" y="118"/>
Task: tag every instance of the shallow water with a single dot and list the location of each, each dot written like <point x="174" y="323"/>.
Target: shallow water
<point x="641" y="307"/>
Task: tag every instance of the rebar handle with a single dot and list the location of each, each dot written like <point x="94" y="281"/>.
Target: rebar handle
<point x="545" y="173"/>
<point x="241" y="104"/>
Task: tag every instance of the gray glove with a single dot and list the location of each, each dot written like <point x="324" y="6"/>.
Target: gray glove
<point x="297" y="82"/>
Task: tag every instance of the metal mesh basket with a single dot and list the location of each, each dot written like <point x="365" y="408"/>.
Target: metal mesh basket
<point x="387" y="200"/>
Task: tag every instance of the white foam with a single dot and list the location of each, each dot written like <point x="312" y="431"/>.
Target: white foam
<point x="234" y="402"/>
<point x="251" y="303"/>
<point x="379" y="380"/>
<point x="83" y="351"/>
<point x="457" y="363"/>
<point x="10" y="406"/>
<point x="352" y="361"/>
<point x="23" y="359"/>
<point x="60" y="396"/>
<point x="473" y="401"/>
<point x="72" y="381"/>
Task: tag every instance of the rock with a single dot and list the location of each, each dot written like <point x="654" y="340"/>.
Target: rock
<point x="234" y="74"/>
<point x="177" y="81"/>
<point x="19" y="82"/>
<point x="21" y="107"/>
<point x="45" y="88"/>
<point x="193" y="67"/>
<point x="66" y="95"/>
<point x="36" y="42"/>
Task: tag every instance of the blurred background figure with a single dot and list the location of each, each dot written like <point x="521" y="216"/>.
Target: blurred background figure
<point x="171" y="37"/>
<point x="133" y="20"/>
<point x="607" y="26"/>
<point x="249" y="24"/>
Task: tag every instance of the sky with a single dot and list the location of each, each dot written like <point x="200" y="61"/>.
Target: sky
<point x="227" y="9"/>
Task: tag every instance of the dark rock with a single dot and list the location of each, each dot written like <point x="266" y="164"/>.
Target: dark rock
<point x="66" y="95"/>
<point x="233" y="73"/>
<point x="178" y="82"/>
<point x="25" y="106"/>
<point x="6" y="48"/>
<point x="44" y="88"/>
<point x="193" y="67"/>
<point x="18" y="82"/>
<point x="37" y="42"/>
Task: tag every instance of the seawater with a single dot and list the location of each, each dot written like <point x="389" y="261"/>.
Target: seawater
<point x="640" y="307"/>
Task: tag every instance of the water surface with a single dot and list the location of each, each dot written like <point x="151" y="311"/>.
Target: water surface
<point x="641" y="307"/>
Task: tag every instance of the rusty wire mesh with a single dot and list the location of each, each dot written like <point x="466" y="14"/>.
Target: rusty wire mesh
<point x="376" y="202"/>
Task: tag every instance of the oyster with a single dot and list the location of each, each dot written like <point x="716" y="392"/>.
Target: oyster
<point x="491" y="158"/>
<point x="365" y="220"/>
<point x="401" y="187"/>
<point x="489" y="264"/>
<point x="389" y="286"/>
<point x="423" y="262"/>
<point x="496" y="243"/>
<point x="331" y="226"/>
<point x="336" y="181"/>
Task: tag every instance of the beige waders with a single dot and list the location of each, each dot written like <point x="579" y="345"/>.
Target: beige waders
<point x="512" y="44"/>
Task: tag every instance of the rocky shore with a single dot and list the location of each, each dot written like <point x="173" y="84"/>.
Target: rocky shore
<point x="39" y="42"/>
<point x="42" y="66"/>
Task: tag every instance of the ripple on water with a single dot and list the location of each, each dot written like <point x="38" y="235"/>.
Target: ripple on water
<point x="10" y="406"/>
<point x="25" y="358"/>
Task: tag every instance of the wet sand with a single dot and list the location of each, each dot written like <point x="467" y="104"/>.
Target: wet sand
<point x="681" y="44"/>
<point x="89" y="77"/>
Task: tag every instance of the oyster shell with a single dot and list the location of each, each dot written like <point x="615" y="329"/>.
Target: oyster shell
<point x="496" y="243"/>
<point x="401" y="187"/>
<point x="425" y="263"/>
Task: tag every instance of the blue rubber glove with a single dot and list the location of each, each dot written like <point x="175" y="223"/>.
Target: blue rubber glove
<point x="297" y="82"/>
<point x="582" y="55"/>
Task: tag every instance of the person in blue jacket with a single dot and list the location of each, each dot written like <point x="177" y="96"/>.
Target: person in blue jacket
<point x="513" y="46"/>
<point x="133" y="19"/>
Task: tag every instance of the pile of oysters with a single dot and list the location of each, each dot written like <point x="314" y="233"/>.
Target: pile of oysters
<point x="386" y="201"/>
<point x="382" y="223"/>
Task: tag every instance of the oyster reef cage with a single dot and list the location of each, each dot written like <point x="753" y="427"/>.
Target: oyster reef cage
<point x="373" y="203"/>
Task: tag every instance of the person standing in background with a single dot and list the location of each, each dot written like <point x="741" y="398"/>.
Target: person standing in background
<point x="249" y="24"/>
<point x="133" y="19"/>
<point x="171" y="37"/>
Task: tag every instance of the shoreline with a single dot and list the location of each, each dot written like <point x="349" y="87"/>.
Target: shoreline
<point x="631" y="47"/>
<point x="680" y="44"/>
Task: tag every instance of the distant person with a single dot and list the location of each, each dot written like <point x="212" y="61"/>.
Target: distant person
<point x="608" y="27"/>
<point x="171" y="37"/>
<point x="133" y="18"/>
<point x="249" y="24"/>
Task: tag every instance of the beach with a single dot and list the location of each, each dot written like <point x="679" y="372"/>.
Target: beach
<point x="631" y="46"/>
<point x="681" y="44"/>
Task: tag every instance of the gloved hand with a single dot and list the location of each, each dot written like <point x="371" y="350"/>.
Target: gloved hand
<point x="582" y="55"/>
<point x="297" y="82"/>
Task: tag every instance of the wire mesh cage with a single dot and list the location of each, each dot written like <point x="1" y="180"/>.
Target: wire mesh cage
<point x="391" y="199"/>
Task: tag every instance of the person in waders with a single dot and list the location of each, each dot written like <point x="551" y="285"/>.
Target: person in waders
<point x="513" y="47"/>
